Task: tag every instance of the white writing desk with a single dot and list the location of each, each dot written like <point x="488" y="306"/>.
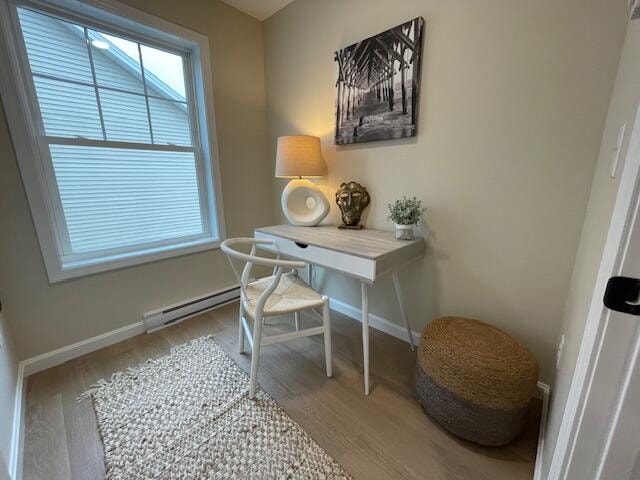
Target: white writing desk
<point x="362" y="254"/>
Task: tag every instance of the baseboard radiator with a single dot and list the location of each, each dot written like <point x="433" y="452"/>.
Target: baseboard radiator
<point x="176" y="313"/>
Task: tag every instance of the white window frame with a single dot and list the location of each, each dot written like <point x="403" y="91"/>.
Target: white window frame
<point x="21" y="107"/>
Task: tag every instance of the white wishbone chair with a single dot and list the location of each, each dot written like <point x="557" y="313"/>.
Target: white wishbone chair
<point x="281" y="293"/>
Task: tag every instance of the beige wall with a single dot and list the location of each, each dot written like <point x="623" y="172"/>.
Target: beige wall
<point x="8" y="377"/>
<point x="513" y="102"/>
<point x="624" y="104"/>
<point x="47" y="316"/>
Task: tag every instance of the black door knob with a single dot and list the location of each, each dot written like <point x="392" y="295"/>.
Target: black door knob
<point x="623" y="295"/>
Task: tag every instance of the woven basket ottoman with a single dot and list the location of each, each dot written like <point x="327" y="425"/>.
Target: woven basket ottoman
<point x="475" y="380"/>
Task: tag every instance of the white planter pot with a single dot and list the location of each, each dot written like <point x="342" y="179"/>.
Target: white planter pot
<point x="404" y="232"/>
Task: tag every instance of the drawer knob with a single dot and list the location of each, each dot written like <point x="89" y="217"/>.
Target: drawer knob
<point x="301" y="245"/>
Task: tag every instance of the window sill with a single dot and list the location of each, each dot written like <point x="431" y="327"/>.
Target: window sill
<point x="73" y="269"/>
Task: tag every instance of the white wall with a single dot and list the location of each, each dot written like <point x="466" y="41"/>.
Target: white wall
<point x="624" y="104"/>
<point x="513" y="102"/>
<point x="8" y="377"/>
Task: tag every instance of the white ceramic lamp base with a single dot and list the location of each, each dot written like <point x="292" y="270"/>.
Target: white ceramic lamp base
<point x="303" y="203"/>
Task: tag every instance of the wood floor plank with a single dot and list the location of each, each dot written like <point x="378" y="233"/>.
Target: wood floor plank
<point x="45" y="450"/>
<point x="382" y="436"/>
<point x="83" y="440"/>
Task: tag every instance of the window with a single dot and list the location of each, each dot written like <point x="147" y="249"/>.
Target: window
<point x="119" y="118"/>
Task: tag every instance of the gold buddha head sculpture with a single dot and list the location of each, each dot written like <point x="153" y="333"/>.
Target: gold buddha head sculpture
<point x="352" y="198"/>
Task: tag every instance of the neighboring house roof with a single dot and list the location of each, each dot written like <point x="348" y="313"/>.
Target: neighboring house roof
<point x="129" y="65"/>
<point x="57" y="50"/>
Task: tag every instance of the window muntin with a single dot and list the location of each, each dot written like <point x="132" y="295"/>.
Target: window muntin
<point x="119" y="130"/>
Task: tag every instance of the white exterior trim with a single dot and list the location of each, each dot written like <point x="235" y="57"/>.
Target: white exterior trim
<point x="18" y="100"/>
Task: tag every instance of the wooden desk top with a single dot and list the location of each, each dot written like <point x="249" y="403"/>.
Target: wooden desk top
<point x="366" y="243"/>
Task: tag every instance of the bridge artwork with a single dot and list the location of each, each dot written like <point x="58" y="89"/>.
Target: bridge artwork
<point x="378" y="85"/>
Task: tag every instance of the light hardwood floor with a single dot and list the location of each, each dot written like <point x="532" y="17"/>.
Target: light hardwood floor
<point x="383" y="436"/>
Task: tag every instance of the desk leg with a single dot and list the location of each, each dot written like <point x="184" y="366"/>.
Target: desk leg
<point x="365" y="335"/>
<point x="396" y="285"/>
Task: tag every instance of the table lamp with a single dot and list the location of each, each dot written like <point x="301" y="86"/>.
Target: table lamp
<point x="298" y="157"/>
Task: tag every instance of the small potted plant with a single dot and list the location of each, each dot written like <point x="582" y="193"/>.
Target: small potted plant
<point x="405" y="213"/>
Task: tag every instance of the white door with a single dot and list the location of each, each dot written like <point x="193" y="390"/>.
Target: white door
<point x="607" y="422"/>
<point x="620" y="454"/>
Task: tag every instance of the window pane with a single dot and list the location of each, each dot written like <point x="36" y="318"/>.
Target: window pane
<point x="164" y="73"/>
<point x="125" y="116"/>
<point x="121" y="197"/>
<point x="55" y="47"/>
<point x="117" y="62"/>
<point x="170" y="122"/>
<point x="68" y="109"/>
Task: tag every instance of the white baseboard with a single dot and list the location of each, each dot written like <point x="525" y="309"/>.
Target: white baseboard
<point x="51" y="359"/>
<point x="375" y="321"/>
<point x="57" y="357"/>
<point x="64" y="354"/>
<point x="542" y="389"/>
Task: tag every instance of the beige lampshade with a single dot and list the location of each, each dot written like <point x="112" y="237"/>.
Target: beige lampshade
<point x="299" y="156"/>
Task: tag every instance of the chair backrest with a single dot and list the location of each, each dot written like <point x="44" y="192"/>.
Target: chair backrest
<point x="252" y="259"/>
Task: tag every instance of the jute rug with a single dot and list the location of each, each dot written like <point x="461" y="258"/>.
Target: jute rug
<point x="187" y="416"/>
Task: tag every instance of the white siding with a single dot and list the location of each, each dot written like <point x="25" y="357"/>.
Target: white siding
<point x="108" y="74"/>
<point x="118" y="197"/>
<point x="125" y="116"/>
<point x="53" y="47"/>
<point x="169" y="122"/>
<point x="68" y="109"/>
<point x="112" y="198"/>
<point x="57" y="48"/>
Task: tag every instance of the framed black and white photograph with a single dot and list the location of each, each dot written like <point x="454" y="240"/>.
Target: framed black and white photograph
<point x="378" y="86"/>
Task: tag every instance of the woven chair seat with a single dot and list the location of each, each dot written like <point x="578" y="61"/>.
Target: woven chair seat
<point x="292" y="294"/>
<point x="475" y="380"/>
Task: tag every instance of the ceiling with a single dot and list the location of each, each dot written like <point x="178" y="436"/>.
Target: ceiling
<point x="260" y="9"/>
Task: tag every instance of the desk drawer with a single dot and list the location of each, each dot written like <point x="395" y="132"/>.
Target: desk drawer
<point x="360" y="267"/>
